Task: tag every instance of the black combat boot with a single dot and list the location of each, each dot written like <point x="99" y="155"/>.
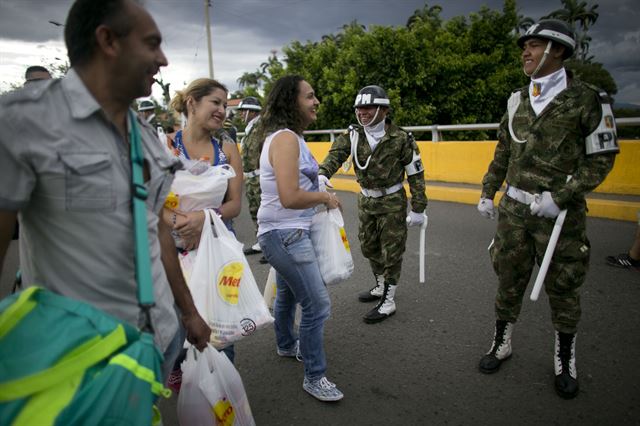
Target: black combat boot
<point x="565" y="365"/>
<point x="385" y="308"/>
<point x="500" y="349"/>
<point x="375" y="293"/>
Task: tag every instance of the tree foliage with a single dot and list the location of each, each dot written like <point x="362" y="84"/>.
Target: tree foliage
<point x="580" y="16"/>
<point x="434" y="72"/>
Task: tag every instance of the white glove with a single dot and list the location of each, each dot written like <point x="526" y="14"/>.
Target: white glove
<point x="323" y="183"/>
<point x="415" y="219"/>
<point x="485" y="207"/>
<point x="544" y="206"/>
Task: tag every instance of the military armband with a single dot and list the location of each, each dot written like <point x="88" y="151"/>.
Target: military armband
<point x="604" y="137"/>
<point x="415" y="166"/>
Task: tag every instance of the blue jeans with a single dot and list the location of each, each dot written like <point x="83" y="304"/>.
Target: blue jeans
<point x="298" y="280"/>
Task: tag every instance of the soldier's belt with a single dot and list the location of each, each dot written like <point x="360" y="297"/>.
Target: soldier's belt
<point x="251" y="174"/>
<point x="519" y="195"/>
<point x="381" y="192"/>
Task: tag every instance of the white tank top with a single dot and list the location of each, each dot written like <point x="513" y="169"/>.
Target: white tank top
<point x="271" y="214"/>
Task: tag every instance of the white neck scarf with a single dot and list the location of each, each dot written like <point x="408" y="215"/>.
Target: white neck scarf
<point x="374" y="134"/>
<point x="542" y="90"/>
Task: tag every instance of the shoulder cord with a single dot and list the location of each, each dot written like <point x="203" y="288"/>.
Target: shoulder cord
<point x="354" y="136"/>
<point x="512" y="107"/>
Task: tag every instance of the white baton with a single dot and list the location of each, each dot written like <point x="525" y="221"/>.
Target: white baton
<point x="548" y="254"/>
<point x="423" y="247"/>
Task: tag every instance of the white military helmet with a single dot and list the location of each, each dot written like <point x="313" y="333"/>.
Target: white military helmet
<point x="250" y="103"/>
<point x="371" y="96"/>
<point x="552" y="29"/>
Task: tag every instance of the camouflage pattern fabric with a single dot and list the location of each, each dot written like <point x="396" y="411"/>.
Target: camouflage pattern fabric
<point x="521" y="239"/>
<point x="251" y="148"/>
<point x="383" y="240"/>
<point x="252" y="191"/>
<point x="554" y="149"/>
<point x="386" y="168"/>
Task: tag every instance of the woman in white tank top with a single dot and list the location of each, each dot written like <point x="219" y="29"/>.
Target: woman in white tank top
<point x="289" y="185"/>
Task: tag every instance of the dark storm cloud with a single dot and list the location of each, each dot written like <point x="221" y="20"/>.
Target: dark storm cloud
<point x="245" y="31"/>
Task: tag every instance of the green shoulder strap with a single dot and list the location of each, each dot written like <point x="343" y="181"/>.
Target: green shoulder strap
<point x="139" y="194"/>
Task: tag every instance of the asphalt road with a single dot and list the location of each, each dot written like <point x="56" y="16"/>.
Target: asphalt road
<point x="420" y="366"/>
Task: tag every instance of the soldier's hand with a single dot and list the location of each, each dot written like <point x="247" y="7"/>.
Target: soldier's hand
<point x="544" y="206"/>
<point x="324" y="182"/>
<point x="485" y="207"/>
<point x="415" y="219"/>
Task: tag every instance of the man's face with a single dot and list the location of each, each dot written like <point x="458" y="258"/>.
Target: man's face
<point x="532" y="53"/>
<point x="140" y="56"/>
<point x="367" y="114"/>
<point x="247" y="115"/>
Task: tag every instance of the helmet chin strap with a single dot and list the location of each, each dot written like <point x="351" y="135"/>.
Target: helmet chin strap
<point x="372" y="120"/>
<point x="542" y="61"/>
<point x="246" y="115"/>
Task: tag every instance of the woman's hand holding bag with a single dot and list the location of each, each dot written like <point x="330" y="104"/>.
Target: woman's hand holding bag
<point x="332" y="246"/>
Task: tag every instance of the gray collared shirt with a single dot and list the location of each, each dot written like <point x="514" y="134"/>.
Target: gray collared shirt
<point x="66" y="169"/>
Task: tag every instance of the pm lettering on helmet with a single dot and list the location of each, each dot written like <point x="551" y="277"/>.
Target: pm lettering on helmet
<point x="363" y="98"/>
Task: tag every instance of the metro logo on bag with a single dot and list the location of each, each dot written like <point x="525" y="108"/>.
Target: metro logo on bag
<point x="228" y="282"/>
<point x="345" y="241"/>
<point x="223" y="411"/>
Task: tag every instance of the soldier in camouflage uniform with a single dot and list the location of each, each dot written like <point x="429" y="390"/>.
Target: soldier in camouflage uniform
<point x="251" y="147"/>
<point x="383" y="154"/>
<point x="556" y="142"/>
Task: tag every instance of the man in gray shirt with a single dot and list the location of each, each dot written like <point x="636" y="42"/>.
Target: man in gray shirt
<point x="65" y="168"/>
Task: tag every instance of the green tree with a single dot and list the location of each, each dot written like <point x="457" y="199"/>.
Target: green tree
<point x="580" y="16"/>
<point x="593" y="73"/>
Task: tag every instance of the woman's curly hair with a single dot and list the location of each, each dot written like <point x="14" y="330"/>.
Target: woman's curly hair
<point x="281" y="108"/>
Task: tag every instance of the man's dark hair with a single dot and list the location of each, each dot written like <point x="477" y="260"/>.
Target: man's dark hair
<point x="281" y="108"/>
<point x="34" y="68"/>
<point x="83" y="19"/>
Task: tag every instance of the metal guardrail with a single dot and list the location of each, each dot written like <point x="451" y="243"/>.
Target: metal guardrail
<point x="435" y="129"/>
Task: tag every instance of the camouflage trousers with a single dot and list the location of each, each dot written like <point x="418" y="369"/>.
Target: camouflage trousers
<point x="383" y="239"/>
<point x="252" y="186"/>
<point x="521" y="240"/>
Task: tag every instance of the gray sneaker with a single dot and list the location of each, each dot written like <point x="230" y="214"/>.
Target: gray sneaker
<point x="322" y="389"/>
<point x="294" y="352"/>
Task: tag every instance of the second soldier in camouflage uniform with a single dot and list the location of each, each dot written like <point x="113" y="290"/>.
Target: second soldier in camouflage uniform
<point x="383" y="154"/>
<point x="251" y="148"/>
<point x="556" y="142"/>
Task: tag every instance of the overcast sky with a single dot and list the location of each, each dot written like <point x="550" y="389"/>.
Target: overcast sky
<point x="245" y="31"/>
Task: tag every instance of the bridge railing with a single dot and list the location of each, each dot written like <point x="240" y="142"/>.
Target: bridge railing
<point x="437" y="129"/>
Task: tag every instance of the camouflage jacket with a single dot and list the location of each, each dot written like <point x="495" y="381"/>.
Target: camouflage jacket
<point x="251" y="147"/>
<point x="385" y="169"/>
<point x="554" y="147"/>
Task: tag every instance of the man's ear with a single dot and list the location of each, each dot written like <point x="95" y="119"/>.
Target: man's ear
<point x="107" y="41"/>
<point x="557" y="50"/>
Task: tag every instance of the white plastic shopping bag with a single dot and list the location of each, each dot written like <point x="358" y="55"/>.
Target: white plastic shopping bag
<point x="212" y="392"/>
<point x="201" y="188"/>
<point x="269" y="293"/>
<point x="223" y="287"/>
<point x="331" y="245"/>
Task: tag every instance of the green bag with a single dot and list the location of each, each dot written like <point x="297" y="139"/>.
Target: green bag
<point x="66" y="362"/>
